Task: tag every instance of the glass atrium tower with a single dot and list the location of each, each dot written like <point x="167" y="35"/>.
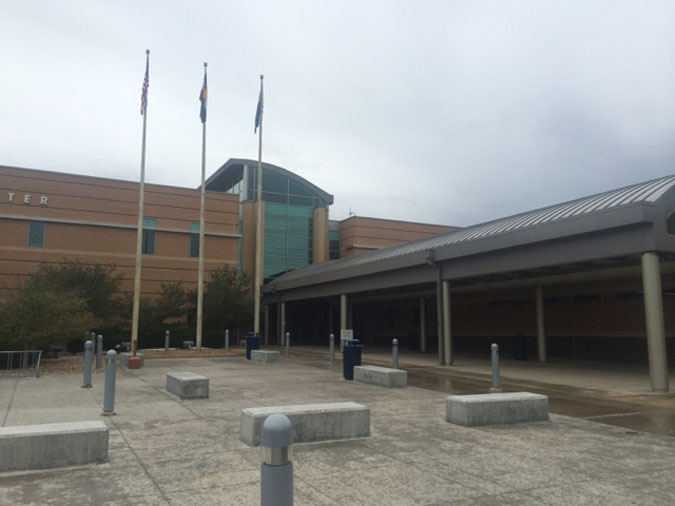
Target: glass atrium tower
<point x="295" y="216"/>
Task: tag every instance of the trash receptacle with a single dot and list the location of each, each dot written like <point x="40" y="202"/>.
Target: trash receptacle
<point x="351" y="356"/>
<point x="519" y="346"/>
<point x="252" y="343"/>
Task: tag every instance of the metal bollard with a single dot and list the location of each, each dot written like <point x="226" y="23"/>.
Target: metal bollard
<point x="167" y="341"/>
<point x="88" y="361"/>
<point x="109" y="386"/>
<point x="331" y="354"/>
<point x="394" y="352"/>
<point x="496" y="385"/>
<point x="288" y="343"/>
<point x="227" y="339"/>
<point x="99" y="351"/>
<point x="276" y="471"/>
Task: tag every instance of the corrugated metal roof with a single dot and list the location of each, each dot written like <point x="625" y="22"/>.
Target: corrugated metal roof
<point x="648" y="192"/>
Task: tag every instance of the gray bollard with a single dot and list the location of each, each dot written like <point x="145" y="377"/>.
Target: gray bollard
<point x="227" y="339"/>
<point x="167" y="341"/>
<point x="496" y="385"/>
<point x="288" y="343"/>
<point x="109" y="385"/>
<point x="88" y="361"/>
<point x="394" y="352"/>
<point x="276" y="471"/>
<point x="331" y="354"/>
<point x="99" y="351"/>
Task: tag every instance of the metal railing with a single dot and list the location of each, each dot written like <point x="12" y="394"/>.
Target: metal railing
<point x="20" y="363"/>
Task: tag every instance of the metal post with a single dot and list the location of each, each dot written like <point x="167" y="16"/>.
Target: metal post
<point x="109" y="386"/>
<point x="276" y="471"/>
<point x="227" y="339"/>
<point x="99" y="351"/>
<point x="394" y="352"/>
<point x="496" y="385"/>
<point x="167" y="339"/>
<point x="88" y="360"/>
<point x="288" y="343"/>
<point x="331" y="354"/>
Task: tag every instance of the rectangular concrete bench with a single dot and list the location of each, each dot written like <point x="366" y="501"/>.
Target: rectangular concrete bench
<point x="264" y="356"/>
<point x="496" y="409"/>
<point x="124" y="359"/>
<point x="382" y="376"/>
<point x="311" y="422"/>
<point x="187" y="385"/>
<point x="52" y="445"/>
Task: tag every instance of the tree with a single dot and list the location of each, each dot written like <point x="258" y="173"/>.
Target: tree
<point x="95" y="284"/>
<point x="228" y="301"/>
<point x="39" y="319"/>
<point x="155" y="311"/>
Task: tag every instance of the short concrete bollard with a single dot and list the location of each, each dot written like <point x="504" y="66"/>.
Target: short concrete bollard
<point x="167" y="340"/>
<point x="99" y="351"/>
<point x="288" y="343"/>
<point x="88" y="362"/>
<point x="394" y="353"/>
<point x="331" y="353"/>
<point x="227" y="339"/>
<point x="496" y="384"/>
<point x="109" y="385"/>
<point x="276" y="471"/>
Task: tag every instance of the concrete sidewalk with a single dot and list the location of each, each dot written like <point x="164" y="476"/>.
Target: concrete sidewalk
<point x="167" y="451"/>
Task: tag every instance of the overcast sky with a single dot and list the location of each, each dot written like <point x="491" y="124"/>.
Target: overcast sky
<point x="452" y="112"/>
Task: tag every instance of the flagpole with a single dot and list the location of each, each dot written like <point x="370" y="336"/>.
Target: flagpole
<point x="258" y="230"/>
<point x="200" y="280"/>
<point x="139" y="230"/>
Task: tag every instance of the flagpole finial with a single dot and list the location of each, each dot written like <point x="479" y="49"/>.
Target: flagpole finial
<point x="262" y="77"/>
<point x="147" y="51"/>
<point x="206" y="64"/>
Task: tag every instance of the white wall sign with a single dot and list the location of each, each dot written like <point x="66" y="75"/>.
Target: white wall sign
<point x="27" y="199"/>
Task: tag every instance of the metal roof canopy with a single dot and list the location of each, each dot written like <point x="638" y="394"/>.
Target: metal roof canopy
<point x="231" y="172"/>
<point x="619" y="224"/>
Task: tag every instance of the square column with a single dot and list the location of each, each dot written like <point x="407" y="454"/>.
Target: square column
<point x="541" y="329"/>
<point x="447" y="328"/>
<point x="423" y="325"/>
<point x="343" y="312"/>
<point x="656" y="335"/>
<point x="282" y="326"/>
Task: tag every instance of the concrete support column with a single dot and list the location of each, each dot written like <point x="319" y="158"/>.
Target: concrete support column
<point x="656" y="339"/>
<point x="423" y="325"/>
<point x="282" y="327"/>
<point x="541" y="332"/>
<point x="267" y="324"/>
<point x="343" y="312"/>
<point x="447" y="328"/>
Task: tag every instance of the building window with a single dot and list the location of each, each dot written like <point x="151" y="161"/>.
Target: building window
<point x="148" y="246"/>
<point x="670" y="224"/>
<point x="194" y="240"/>
<point x="36" y="234"/>
<point x="334" y="245"/>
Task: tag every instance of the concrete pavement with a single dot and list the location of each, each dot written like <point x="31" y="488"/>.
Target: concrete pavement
<point x="164" y="450"/>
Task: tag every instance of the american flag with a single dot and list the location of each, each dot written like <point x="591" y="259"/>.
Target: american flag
<point x="146" y="84"/>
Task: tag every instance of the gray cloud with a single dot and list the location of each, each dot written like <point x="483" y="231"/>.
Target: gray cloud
<point x="447" y="112"/>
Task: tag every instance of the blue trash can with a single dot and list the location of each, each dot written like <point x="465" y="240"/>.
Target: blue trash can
<point x="252" y="343"/>
<point x="351" y="356"/>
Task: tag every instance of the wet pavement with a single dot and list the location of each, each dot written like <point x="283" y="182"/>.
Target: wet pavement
<point x="634" y="412"/>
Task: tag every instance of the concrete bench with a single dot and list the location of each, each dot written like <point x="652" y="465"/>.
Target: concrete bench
<point x="264" y="356"/>
<point x="188" y="345"/>
<point x="52" y="445"/>
<point x="124" y="359"/>
<point x="496" y="409"/>
<point x="311" y="422"/>
<point x="187" y="385"/>
<point x="382" y="376"/>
